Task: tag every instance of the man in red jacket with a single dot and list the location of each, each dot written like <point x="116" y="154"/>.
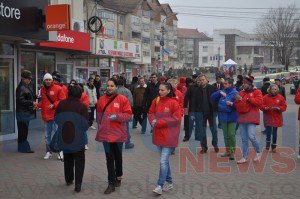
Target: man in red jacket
<point x="247" y="104"/>
<point x="51" y="94"/>
<point x="297" y="101"/>
<point x="57" y="80"/>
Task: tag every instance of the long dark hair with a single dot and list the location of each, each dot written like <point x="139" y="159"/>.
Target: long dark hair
<point x="169" y="87"/>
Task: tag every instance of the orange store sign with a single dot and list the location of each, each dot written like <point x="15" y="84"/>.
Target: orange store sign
<point x="58" y="17"/>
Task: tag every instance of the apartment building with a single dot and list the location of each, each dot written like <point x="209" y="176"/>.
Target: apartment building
<point x="188" y="46"/>
<point x="234" y="44"/>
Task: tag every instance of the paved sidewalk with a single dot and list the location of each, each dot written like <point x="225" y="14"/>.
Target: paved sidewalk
<point x="30" y="176"/>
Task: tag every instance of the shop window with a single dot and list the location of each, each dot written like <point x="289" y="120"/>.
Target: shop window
<point x="66" y="71"/>
<point x="104" y="63"/>
<point x="7" y="118"/>
<point x="28" y="63"/>
<point x="93" y="62"/>
<point x="81" y="75"/>
<point x="45" y="64"/>
<point x="136" y="35"/>
<point x="6" y="49"/>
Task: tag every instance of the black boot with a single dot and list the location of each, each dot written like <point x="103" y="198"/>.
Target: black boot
<point x="273" y="148"/>
<point x="77" y="188"/>
<point x="118" y="183"/>
<point x="110" y="189"/>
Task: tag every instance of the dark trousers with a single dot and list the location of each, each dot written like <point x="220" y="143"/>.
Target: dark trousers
<point x="23" y="145"/>
<point x="113" y="152"/>
<point x="271" y="132"/>
<point x="140" y="116"/>
<point x="91" y="115"/>
<point x="78" y="159"/>
<point x="211" y="118"/>
<point x="186" y="127"/>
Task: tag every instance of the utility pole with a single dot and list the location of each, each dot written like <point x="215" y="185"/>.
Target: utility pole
<point x="219" y="56"/>
<point x="162" y="43"/>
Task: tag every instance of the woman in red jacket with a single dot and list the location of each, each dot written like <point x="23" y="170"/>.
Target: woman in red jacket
<point x="273" y="106"/>
<point x="297" y="101"/>
<point x="165" y="118"/>
<point x="113" y="111"/>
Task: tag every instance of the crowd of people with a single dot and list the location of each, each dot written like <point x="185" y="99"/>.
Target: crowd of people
<point x="162" y="103"/>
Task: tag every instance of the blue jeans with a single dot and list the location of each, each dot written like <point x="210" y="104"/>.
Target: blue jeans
<point x="248" y="132"/>
<point x="128" y="134"/>
<point x="271" y="131"/>
<point x="165" y="170"/>
<point x="50" y="126"/>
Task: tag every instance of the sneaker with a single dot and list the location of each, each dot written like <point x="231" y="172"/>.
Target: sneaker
<point x="203" y="150"/>
<point x="217" y="149"/>
<point x="86" y="147"/>
<point x="257" y="158"/>
<point x="48" y="156"/>
<point x="129" y="146"/>
<point x="242" y="161"/>
<point x="92" y="127"/>
<point x="167" y="186"/>
<point x="231" y="156"/>
<point x="143" y="132"/>
<point x="185" y="139"/>
<point x="60" y="155"/>
<point x="158" y="190"/>
<point x="226" y="154"/>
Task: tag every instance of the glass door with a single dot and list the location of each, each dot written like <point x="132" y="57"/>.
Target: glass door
<point x="7" y="116"/>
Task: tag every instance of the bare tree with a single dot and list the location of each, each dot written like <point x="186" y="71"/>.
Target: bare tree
<point x="279" y="30"/>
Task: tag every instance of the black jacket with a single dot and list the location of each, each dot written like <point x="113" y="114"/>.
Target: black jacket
<point x="216" y="86"/>
<point x="264" y="88"/>
<point x="194" y="98"/>
<point x="97" y="85"/>
<point x="150" y="94"/>
<point x="238" y="85"/>
<point x="24" y="98"/>
<point x="282" y="91"/>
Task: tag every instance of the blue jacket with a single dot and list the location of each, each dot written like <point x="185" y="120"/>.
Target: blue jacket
<point x="226" y="113"/>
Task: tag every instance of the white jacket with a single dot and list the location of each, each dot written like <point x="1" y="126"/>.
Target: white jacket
<point x="92" y="93"/>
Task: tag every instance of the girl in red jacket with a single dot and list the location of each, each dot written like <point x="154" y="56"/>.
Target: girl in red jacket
<point x="165" y="118"/>
<point x="273" y="106"/>
<point x="113" y="111"/>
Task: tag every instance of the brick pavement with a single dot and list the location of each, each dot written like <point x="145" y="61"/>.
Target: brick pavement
<point x="30" y="176"/>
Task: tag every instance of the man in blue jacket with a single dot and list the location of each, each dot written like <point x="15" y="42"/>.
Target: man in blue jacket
<point x="227" y="115"/>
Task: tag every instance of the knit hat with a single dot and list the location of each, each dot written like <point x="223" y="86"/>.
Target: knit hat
<point x="56" y="77"/>
<point x="248" y="80"/>
<point x="266" y="79"/>
<point x="26" y="74"/>
<point x="47" y="76"/>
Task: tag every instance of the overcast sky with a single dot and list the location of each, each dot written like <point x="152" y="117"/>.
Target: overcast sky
<point x="207" y="15"/>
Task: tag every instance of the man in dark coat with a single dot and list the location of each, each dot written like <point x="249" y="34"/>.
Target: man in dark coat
<point x="97" y="84"/>
<point x="281" y="88"/>
<point x="266" y="85"/>
<point x="151" y="92"/>
<point x="25" y="102"/>
<point x="219" y="84"/>
<point x="202" y="109"/>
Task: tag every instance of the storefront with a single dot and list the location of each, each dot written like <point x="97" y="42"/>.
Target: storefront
<point x="125" y="54"/>
<point x="22" y="25"/>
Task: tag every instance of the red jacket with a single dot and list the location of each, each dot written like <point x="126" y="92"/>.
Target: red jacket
<point x="273" y="117"/>
<point x="180" y="99"/>
<point x="297" y="101"/>
<point x="113" y="131"/>
<point x="64" y="88"/>
<point x="182" y="86"/>
<point x="85" y="100"/>
<point x="248" y="107"/>
<point x="167" y="113"/>
<point x="55" y="93"/>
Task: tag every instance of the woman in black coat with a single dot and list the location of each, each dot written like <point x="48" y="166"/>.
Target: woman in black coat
<point x="71" y="116"/>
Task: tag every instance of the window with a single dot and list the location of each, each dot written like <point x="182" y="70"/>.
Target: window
<point x="6" y="49"/>
<point x="136" y="20"/>
<point x="204" y="60"/>
<point x="221" y="57"/>
<point x="46" y="64"/>
<point x="146" y="54"/>
<point x="109" y="32"/>
<point x="146" y="27"/>
<point x="210" y="58"/>
<point x="122" y="20"/>
<point x="66" y="71"/>
<point x="205" y="49"/>
<point x="157" y="49"/>
<point x="120" y="35"/>
<point x="158" y="26"/>
<point x="107" y="15"/>
<point x="146" y="40"/>
<point x="157" y="37"/>
<point x="146" y="13"/>
<point x="136" y="35"/>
